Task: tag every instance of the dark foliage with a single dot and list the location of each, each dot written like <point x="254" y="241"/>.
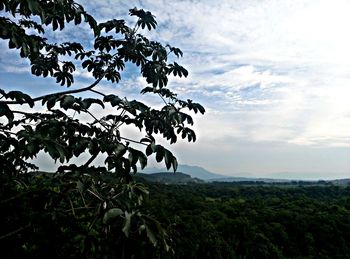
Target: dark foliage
<point x="237" y="221"/>
<point x="84" y="211"/>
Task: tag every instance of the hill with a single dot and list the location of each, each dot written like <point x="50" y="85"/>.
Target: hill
<point x="207" y="176"/>
<point x="193" y="171"/>
<point x="167" y="177"/>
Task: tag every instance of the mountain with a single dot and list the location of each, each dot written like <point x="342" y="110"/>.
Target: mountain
<point x="193" y="171"/>
<point x="249" y="179"/>
<point x="341" y="181"/>
<point x="207" y="176"/>
<point x="203" y="174"/>
<point x="167" y="177"/>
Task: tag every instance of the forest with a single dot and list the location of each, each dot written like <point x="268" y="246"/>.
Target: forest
<point x="44" y="216"/>
<point x="228" y="220"/>
<point x="87" y="209"/>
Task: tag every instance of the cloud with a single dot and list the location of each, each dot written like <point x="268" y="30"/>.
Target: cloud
<point x="279" y="64"/>
<point x="267" y="71"/>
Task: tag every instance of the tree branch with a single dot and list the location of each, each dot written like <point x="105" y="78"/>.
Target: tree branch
<point x="15" y="231"/>
<point x="97" y="92"/>
<point x="134" y="141"/>
<point x="92" y="158"/>
<point x="80" y="208"/>
<point x="126" y="139"/>
<point x="117" y="125"/>
<point x="27" y="114"/>
<point x="59" y="93"/>
<point x="7" y="132"/>
<point x="94" y="117"/>
<point x="162" y="99"/>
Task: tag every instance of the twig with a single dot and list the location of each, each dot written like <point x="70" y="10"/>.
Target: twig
<point x="134" y="141"/>
<point x="162" y="98"/>
<point x="94" y="117"/>
<point x="14" y="232"/>
<point x="97" y="92"/>
<point x="71" y="205"/>
<point x="7" y="132"/>
<point x="80" y="208"/>
<point x="117" y="125"/>
<point x="127" y="139"/>
<point x="92" y="158"/>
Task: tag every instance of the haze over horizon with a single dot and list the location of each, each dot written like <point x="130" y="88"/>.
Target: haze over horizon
<point x="202" y="173"/>
<point x="274" y="77"/>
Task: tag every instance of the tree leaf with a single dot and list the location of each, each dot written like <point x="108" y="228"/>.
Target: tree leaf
<point x="112" y="214"/>
<point x="127" y="223"/>
<point x="151" y="235"/>
<point x="67" y="102"/>
<point x="168" y="157"/>
<point x="5" y="111"/>
<point x="174" y="163"/>
<point x="143" y="160"/>
<point x="160" y="153"/>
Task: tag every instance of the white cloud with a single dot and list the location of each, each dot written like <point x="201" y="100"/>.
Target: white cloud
<point x="268" y="71"/>
<point x="295" y="51"/>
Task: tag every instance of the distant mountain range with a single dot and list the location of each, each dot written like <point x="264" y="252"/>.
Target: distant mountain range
<point x="205" y="175"/>
<point x="188" y="173"/>
<point x="193" y="171"/>
<point x="167" y="177"/>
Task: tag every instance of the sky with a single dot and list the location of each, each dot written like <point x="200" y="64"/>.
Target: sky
<point x="274" y="77"/>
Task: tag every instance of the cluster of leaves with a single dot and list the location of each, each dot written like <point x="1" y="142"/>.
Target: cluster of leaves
<point x="56" y="128"/>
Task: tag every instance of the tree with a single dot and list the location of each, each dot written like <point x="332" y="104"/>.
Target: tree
<point x="100" y="198"/>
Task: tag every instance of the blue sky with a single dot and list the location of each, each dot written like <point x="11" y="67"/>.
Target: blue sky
<point x="273" y="75"/>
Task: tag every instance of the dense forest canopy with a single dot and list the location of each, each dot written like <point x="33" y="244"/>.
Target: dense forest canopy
<point x="233" y="220"/>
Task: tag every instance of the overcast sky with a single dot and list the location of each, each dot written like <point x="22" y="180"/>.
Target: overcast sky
<point x="273" y="75"/>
